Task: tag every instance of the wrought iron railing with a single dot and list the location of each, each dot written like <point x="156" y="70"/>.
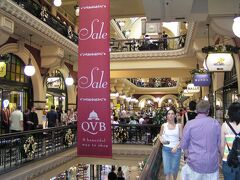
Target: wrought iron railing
<point x="42" y="13"/>
<point x="18" y="149"/>
<point x="134" y="134"/>
<point x="154" y="44"/>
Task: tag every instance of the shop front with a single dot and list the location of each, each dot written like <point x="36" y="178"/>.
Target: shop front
<point x="56" y="91"/>
<point x="15" y="87"/>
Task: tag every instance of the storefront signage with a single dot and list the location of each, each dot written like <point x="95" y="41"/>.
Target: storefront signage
<point x="3" y="69"/>
<point x="53" y="82"/>
<point x="201" y="80"/>
<point x="186" y="93"/>
<point x="219" y="62"/>
<point x="94" y="124"/>
<point x="193" y="89"/>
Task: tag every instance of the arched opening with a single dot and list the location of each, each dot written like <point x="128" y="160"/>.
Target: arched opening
<point x="56" y="90"/>
<point x="16" y="88"/>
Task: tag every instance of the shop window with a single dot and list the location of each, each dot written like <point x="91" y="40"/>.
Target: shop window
<point x="56" y="90"/>
<point x="15" y="87"/>
<point x="14" y="69"/>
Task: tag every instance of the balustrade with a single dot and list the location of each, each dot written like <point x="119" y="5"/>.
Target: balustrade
<point x="17" y="149"/>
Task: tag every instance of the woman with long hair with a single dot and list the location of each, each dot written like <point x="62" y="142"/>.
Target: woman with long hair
<point x="227" y="138"/>
<point x="170" y="136"/>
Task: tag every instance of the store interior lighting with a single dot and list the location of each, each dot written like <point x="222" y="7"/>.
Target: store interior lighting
<point x="57" y="3"/>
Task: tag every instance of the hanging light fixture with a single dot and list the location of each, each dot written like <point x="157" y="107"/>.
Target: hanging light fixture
<point x="29" y="69"/>
<point x="69" y="80"/>
<point x="57" y="3"/>
<point x="236" y="24"/>
<point x="76" y="7"/>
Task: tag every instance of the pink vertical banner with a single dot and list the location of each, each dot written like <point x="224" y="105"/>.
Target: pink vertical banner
<point x="94" y="125"/>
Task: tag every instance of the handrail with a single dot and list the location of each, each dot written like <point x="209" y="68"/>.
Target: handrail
<point x="153" y="82"/>
<point x="152" y="166"/>
<point x="14" y="152"/>
<point x="171" y="43"/>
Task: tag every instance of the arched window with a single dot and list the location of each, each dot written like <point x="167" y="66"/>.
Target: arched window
<point x="14" y="69"/>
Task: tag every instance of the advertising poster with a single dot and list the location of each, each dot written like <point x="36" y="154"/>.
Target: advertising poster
<point x="94" y="125"/>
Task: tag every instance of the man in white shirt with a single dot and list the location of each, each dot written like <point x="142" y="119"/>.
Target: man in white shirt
<point x="16" y="120"/>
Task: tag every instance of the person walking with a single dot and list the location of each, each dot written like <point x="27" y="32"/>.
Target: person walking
<point x="120" y="174"/>
<point x="201" y="145"/>
<point x="227" y="138"/>
<point x="112" y="175"/>
<point x="170" y="135"/>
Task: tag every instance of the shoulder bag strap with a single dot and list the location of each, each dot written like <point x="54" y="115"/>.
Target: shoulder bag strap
<point x="229" y="125"/>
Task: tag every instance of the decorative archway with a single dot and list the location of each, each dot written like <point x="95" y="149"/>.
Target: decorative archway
<point x="144" y="98"/>
<point x="173" y="97"/>
<point x="23" y="53"/>
<point x="71" y="90"/>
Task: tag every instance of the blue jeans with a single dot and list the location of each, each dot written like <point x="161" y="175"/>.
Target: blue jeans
<point x="230" y="173"/>
<point x="171" y="161"/>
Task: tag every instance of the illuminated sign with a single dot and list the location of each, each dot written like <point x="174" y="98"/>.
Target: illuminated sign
<point x="219" y="62"/>
<point x="3" y="69"/>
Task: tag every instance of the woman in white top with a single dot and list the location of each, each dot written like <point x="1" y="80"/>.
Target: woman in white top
<point x="170" y="136"/>
<point x="227" y="138"/>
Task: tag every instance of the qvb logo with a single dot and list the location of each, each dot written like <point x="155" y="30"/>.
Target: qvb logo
<point x="93" y="125"/>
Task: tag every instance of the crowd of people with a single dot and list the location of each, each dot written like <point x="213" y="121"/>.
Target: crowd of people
<point x="203" y="140"/>
<point x="18" y="121"/>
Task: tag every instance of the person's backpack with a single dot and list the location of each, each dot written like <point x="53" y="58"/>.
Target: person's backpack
<point x="233" y="159"/>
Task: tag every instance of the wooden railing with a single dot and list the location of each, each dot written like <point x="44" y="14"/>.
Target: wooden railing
<point x="152" y="167"/>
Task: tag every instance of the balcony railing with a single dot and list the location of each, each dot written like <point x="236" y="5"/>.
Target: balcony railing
<point x="154" y="44"/>
<point x="41" y="13"/>
<point x="154" y="82"/>
<point x="19" y="149"/>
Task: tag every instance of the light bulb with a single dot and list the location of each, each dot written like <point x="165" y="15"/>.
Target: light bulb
<point x="236" y="26"/>
<point x="29" y="70"/>
<point x="77" y="10"/>
<point x="57" y="3"/>
<point x="69" y="81"/>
